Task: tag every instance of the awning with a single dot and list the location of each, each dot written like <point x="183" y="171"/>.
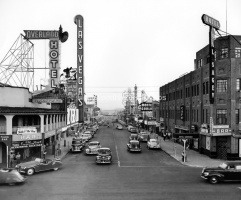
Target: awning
<point x="188" y="135"/>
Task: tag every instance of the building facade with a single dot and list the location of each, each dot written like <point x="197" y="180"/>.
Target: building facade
<point x="185" y="108"/>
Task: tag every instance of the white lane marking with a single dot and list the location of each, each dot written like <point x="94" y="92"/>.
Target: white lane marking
<point x="116" y="150"/>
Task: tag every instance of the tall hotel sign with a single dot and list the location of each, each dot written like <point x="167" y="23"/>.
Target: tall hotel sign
<point x="53" y="37"/>
<point x="80" y="67"/>
<point x="213" y="24"/>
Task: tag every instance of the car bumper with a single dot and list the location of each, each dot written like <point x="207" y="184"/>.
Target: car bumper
<point x="204" y="177"/>
<point x="103" y="161"/>
<point x="155" y="147"/>
<point x="135" y="150"/>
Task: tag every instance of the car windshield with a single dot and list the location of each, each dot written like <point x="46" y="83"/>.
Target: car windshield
<point x="154" y="142"/>
<point x="134" y="144"/>
<point x="93" y="144"/>
<point x="104" y="151"/>
<point x="223" y="166"/>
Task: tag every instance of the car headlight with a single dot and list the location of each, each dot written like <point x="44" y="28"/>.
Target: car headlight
<point x="108" y="157"/>
<point x="98" y="157"/>
<point x="206" y="173"/>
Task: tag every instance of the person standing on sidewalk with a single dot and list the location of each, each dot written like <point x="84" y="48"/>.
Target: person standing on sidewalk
<point x="18" y="157"/>
<point x="12" y="157"/>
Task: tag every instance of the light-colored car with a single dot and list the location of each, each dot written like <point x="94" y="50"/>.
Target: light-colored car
<point x="129" y="127"/>
<point x="143" y="136"/>
<point x="11" y="177"/>
<point x="153" y="144"/>
<point x="119" y="127"/>
<point x="92" y="147"/>
<point x="87" y="134"/>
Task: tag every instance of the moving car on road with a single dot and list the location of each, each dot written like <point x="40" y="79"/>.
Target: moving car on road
<point x="134" y="146"/>
<point x="37" y="165"/>
<point x="11" y="177"/>
<point x="227" y="171"/>
<point x="133" y="137"/>
<point x="143" y="136"/>
<point x="104" y="156"/>
<point x="92" y="148"/>
<point x="133" y="130"/>
<point x="153" y="144"/>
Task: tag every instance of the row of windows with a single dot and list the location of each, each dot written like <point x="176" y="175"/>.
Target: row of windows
<point x="221" y="86"/>
<point x="221" y="115"/>
<point x="224" y="53"/>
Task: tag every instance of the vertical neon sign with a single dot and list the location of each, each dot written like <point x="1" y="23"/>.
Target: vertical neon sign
<point x="78" y="20"/>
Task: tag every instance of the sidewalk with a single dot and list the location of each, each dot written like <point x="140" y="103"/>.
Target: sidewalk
<point x="64" y="149"/>
<point x="194" y="158"/>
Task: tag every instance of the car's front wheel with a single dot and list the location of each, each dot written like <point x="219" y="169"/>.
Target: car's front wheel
<point x="213" y="179"/>
<point x="30" y="172"/>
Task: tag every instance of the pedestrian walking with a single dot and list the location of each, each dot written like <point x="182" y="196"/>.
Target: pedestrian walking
<point x="18" y="158"/>
<point x="164" y="136"/>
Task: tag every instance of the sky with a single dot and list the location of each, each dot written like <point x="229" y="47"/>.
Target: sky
<point x="147" y="43"/>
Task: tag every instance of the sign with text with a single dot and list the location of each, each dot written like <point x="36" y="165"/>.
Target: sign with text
<point x="35" y="34"/>
<point x="80" y="67"/>
<point x="47" y="100"/>
<point x="182" y="113"/>
<point x="210" y="21"/>
<point x="26" y="144"/>
<point x="32" y="136"/>
<point x="27" y="130"/>
<point x="146" y="106"/>
<point x="54" y="62"/>
<point x="7" y="139"/>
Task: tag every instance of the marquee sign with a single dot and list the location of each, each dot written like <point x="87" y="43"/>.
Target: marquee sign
<point x="26" y="144"/>
<point x="35" y="34"/>
<point x="27" y="130"/>
<point x="80" y="67"/>
<point x="210" y="21"/>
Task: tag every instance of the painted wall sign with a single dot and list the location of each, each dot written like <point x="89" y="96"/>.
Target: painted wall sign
<point x="35" y="34"/>
<point x="54" y="62"/>
<point x="80" y="67"/>
<point x="37" y="136"/>
<point x="26" y="144"/>
<point x="210" y="21"/>
<point x="7" y="139"/>
<point x="27" y="130"/>
<point x="47" y="100"/>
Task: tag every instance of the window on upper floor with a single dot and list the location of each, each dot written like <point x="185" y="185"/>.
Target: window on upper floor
<point x="237" y="52"/>
<point x="237" y="116"/>
<point x="222" y="85"/>
<point x="224" y="53"/>
<point x="221" y="116"/>
<point x="207" y="87"/>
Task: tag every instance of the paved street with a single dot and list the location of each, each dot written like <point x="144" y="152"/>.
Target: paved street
<point x="151" y="174"/>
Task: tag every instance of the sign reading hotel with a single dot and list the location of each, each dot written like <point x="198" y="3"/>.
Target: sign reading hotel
<point x="54" y="62"/>
<point x="213" y="24"/>
<point x="80" y="67"/>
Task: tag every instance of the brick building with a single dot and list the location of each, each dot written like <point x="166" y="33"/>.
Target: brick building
<point x="212" y="128"/>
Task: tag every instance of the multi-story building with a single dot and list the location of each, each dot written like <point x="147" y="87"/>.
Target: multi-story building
<point x="213" y="128"/>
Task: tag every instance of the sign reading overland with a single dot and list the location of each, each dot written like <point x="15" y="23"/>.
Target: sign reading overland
<point x="34" y="34"/>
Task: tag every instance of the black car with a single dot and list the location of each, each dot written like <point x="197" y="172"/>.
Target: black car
<point x="134" y="146"/>
<point x="104" y="155"/>
<point x="227" y="171"/>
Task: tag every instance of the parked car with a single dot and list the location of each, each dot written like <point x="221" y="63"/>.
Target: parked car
<point x="104" y="156"/>
<point x="143" y="136"/>
<point x="92" y="147"/>
<point x="78" y="145"/>
<point x="134" y="146"/>
<point x="227" y="171"/>
<point x="133" y="130"/>
<point x="133" y="137"/>
<point x="129" y="127"/>
<point x="119" y="127"/>
<point x="38" y="165"/>
<point x="153" y="144"/>
<point x="11" y="176"/>
<point x="87" y="134"/>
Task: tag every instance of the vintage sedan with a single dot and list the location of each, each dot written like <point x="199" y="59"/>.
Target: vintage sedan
<point x="153" y="144"/>
<point x="143" y="136"/>
<point x="11" y="176"/>
<point x="78" y="145"/>
<point x="134" y="146"/>
<point x="92" y="148"/>
<point x="227" y="171"/>
<point x="104" y="156"/>
<point x="38" y="165"/>
<point x="119" y="127"/>
<point x="133" y="137"/>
